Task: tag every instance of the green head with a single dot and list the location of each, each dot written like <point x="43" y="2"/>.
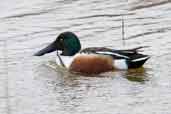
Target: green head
<point x="67" y="42"/>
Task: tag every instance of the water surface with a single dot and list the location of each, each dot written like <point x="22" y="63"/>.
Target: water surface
<point x="28" y="86"/>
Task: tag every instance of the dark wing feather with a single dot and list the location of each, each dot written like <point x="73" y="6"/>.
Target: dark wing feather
<point x="133" y="58"/>
<point x="102" y="51"/>
<point x="129" y="54"/>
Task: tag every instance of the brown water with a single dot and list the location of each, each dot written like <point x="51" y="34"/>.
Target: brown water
<point x="28" y="86"/>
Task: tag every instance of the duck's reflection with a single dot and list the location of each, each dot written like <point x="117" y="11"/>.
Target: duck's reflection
<point x="137" y="75"/>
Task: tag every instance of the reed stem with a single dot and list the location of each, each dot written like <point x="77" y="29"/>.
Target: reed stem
<point x="123" y="31"/>
<point x="60" y="59"/>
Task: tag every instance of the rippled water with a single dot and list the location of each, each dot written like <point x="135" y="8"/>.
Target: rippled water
<point x="28" y="86"/>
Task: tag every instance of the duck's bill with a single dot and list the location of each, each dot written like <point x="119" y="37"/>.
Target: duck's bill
<point x="50" y="48"/>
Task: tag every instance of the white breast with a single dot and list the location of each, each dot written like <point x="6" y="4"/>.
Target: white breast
<point x="66" y="60"/>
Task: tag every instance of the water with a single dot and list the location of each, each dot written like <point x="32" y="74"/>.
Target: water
<point x="28" y="86"/>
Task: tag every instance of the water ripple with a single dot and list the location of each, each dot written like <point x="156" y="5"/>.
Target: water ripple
<point x="156" y="31"/>
<point x="150" y="4"/>
<point x="26" y="14"/>
<point x="102" y="15"/>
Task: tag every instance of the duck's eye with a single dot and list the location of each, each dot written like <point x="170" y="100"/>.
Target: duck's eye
<point x="61" y="40"/>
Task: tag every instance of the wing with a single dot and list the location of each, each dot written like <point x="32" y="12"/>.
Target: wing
<point x="129" y="54"/>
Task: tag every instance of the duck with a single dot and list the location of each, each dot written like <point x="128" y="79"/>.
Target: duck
<point x="92" y="60"/>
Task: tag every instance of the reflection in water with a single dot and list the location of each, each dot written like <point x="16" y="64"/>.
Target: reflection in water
<point x="72" y="89"/>
<point x="138" y="75"/>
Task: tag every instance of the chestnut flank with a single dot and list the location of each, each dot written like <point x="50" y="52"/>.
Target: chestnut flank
<point x="91" y="64"/>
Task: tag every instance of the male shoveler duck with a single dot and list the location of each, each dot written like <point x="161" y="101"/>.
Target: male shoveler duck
<point x="92" y="60"/>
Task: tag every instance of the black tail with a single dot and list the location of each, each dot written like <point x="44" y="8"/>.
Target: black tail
<point x="138" y="62"/>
